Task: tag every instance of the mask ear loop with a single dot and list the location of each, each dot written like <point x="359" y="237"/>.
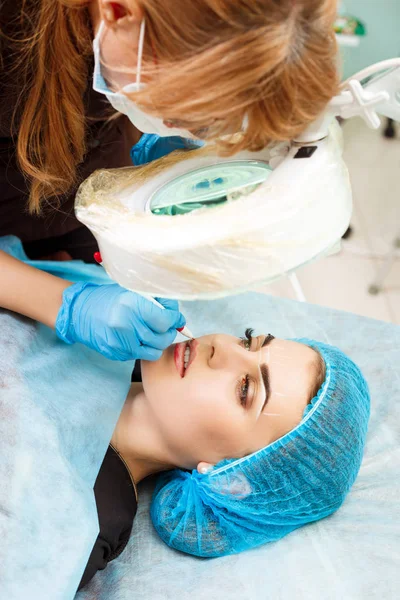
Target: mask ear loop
<point x="140" y="51"/>
<point x="96" y="40"/>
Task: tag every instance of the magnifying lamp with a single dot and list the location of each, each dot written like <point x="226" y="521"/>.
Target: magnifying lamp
<point x="196" y="225"/>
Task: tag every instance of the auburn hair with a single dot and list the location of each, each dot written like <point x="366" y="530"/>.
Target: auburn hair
<point x="265" y="66"/>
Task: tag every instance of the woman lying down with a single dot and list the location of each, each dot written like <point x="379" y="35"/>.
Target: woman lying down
<point x="258" y="436"/>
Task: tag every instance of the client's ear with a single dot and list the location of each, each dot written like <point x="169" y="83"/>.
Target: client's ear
<point x="204" y="467"/>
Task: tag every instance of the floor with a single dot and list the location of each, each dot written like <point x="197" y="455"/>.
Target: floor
<point x="342" y="281"/>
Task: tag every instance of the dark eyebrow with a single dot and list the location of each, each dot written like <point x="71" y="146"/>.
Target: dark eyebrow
<point x="268" y="338"/>
<point x="265" y="372"/>
<point x="265" y="378"/>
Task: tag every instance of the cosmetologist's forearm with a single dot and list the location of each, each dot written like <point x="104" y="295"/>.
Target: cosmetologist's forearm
<point x="29" y="291"/>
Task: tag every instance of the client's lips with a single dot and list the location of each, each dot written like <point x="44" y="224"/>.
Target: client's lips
<point x="179" y="355"/>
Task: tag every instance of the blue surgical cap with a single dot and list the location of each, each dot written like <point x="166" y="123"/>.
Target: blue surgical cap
<point x="302" y="477"/>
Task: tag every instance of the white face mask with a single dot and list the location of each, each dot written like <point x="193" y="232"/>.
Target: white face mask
<point x="145" y="123"/>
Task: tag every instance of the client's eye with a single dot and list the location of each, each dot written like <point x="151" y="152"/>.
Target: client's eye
<point x="246" y="391"/>
<point x="243" y="390"/>
<point x="244" y="384"/>
<point x="247" y="339"/>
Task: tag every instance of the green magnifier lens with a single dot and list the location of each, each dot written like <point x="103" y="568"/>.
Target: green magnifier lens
<point x="209" y="186"/>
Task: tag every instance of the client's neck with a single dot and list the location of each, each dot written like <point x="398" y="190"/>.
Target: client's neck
<point x="136" y="441"/>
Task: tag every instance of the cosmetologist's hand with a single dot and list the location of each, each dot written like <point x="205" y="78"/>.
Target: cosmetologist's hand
<point x="119" y="324"/>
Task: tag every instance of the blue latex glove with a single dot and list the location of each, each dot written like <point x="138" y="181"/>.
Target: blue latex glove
<point x="152" y="146"/>
<point x="119" y="324"/>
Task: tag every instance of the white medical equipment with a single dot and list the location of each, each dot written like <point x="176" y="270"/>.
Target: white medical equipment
<point x="204" y="226"/>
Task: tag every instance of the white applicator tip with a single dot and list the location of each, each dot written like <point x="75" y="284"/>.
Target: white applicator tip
<point x="186" y="332"/>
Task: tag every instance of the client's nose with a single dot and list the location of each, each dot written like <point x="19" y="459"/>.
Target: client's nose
<point x="226" y="355"/>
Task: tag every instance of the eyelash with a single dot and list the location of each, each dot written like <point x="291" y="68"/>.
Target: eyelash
<point x="243" y="389"/>
<point x="248" y="338"/>
<point x="243" y="384"/>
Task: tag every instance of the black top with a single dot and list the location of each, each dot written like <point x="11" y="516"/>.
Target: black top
<point x="116" y="508"/>
<point x="116" y="503"/>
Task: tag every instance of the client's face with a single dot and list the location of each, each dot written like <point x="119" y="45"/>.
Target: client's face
<point x="222" y="397"/>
